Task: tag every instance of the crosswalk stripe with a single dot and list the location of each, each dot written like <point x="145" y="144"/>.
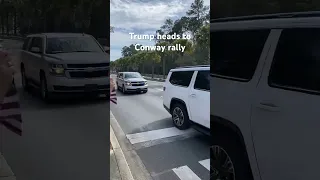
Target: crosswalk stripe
<point x="185" y="173"/>
<point x="205" y="163"/>
<point x="159" y="89"/>
<point x="156" y="134"/>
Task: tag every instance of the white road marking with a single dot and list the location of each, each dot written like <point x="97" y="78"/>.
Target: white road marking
<point x="185" y="173"/>
<point x="159" y="89"/>
<point x="156" y="134"/>
<point x="205" y="163"/>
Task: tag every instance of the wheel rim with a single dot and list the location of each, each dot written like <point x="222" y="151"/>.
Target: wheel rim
<point x="177" y="116"/>
<point x="222" y="167"/>
<point x="43" y="89"/>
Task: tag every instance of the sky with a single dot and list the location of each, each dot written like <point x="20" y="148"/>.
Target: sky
<point x="141" y="17"/>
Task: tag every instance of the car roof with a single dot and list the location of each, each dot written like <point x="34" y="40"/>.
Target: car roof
<point x="268" y="21"/>
<point x="193" y="68"/>
<point x="49" y="35"/>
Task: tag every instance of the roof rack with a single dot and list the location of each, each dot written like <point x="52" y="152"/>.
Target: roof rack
<point x="269" y="16"/>
<point x="193" y="66"/>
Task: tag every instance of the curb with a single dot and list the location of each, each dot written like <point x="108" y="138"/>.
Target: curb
<point x="123" y="166"/>
<point x="132" y="161"/>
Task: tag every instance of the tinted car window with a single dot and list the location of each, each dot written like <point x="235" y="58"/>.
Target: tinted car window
<point x="235" y="54"/>
<point x="25" y="44"/>
<point x="36" y="42"/>
<point x="72" y="44"/>
<point x="202" y="81"/>
<point x="296" y="61"/>
<point x="181" y="78"/>
<point x="132" y="75"/>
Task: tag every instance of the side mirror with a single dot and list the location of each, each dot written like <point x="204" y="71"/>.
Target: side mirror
<point x="35" y="50"/>
<point x="106" y="49"/>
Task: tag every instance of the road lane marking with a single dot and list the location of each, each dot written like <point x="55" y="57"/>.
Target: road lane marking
<point x="205" y="163"/>
<point x="156" y="134"/>
<point x="159" y="89"/>
<point x="185" y="173"/>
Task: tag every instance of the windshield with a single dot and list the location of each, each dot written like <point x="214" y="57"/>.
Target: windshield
<point x="132" y="75"/>
<point x="72" y="44"/>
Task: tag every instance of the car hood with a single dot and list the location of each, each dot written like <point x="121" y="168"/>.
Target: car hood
<point x="81" y="57"/>
<point x="135" y="79"/>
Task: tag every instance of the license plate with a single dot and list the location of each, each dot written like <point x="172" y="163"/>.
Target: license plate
<point x="91" y="87"/>
<point x="138" y="89"/>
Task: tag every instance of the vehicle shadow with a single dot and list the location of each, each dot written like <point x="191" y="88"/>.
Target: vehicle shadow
<point x="160" y="124"/>
<point x="120" y="93"/>
<point x="194" y="136"/>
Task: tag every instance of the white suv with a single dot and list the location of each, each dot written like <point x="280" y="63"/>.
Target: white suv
<point x="265" y="103"/>
<point x="187" y="96"/>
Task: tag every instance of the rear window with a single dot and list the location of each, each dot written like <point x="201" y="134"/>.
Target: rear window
<point x="235" y="54"/>
<point x="202" y="81"/>
<point x="181" y="78"/>
<point x="296" y="61"/>
<point x="25" y="44"/>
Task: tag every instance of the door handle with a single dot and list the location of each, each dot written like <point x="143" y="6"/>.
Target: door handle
<point x="268" y="107"/>
<point x="192" y="95"/>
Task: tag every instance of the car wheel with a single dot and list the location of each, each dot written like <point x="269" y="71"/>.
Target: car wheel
<point x="43" y="88"/>
<point x="180" y="116"/>
<point x="24" y="80"/>
<point x="228" y="162"/>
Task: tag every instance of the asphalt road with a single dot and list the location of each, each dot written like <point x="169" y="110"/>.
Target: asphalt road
<point x="166" y="152"/>
<point x="66" y="140"/>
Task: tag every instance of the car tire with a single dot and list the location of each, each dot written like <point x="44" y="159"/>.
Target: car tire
<point x="180" y="117"/>
<point x="44" y="93"/>
<point x="24" y="79"/>
<point x="226" y="145"/>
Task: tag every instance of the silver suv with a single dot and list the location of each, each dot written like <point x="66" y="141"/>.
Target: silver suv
<point x="64" y="63"/>
<point x="131" y="82"/>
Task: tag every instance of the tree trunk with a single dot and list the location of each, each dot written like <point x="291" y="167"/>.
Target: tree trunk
<point x="164" y="67"/>
<point x="143" y="68"/>
<point x="15" y="22"/>
<point x="7" y="23"/>
<point x="152" y="70"/>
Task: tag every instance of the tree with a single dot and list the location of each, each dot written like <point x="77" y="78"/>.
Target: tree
<point x="164" y="55"/>
<point x="154" y="58"/>
<point x="197" y="15"/>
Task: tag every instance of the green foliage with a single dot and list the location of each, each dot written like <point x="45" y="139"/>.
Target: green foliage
<point x="195" y="23"/>
<point x="22" y="17"/>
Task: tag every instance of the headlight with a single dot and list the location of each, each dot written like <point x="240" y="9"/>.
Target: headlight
<point x="128" y="83"/>
<point x="57" y="69"/>
<point x="145" y="83"/>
